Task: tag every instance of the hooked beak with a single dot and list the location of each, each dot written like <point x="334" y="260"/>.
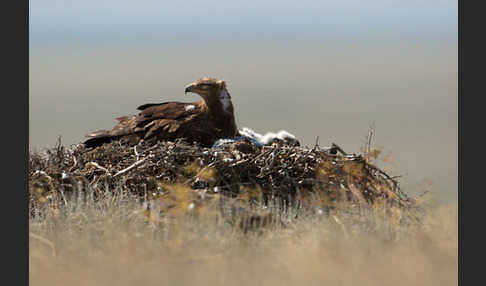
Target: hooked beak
<point x="189" y="88"/>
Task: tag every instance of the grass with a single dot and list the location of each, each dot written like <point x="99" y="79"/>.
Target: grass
<point x="116" y="240"/>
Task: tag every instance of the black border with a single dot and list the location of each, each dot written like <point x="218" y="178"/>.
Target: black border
<point x="471" y="121"/>
<point x="15" y="135"/>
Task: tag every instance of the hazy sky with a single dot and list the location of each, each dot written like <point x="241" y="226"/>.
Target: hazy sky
<point x="55" y="20"/>
<point x="314" y="68"/>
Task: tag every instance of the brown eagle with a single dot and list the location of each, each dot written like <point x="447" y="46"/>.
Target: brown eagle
<point x="204" y="121"/>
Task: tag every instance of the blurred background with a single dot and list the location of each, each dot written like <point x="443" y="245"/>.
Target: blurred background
<point x="314" y="68"/>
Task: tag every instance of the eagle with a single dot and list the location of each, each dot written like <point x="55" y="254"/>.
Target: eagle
<point x="204" y="121"/>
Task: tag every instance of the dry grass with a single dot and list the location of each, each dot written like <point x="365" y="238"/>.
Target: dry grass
<point x="175" y="214"/>
<point x="117" y="241"/>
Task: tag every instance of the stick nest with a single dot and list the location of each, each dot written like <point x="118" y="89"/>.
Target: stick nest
<point x="288" y="173"/>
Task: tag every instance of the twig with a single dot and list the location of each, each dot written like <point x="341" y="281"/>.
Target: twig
<point x="370" y="137"/>
<point x="262" y="154"/>
<point x="135" y="151"/>
<point x="130" y="167"/>
<point x="151" y="148"/>
<point x="239" y="162"/>
<point x="74" y="165"/>
<point x="383" y="173"/>
<point x="98" y="166"/>
<point x="316" y="146"/>
<point x="63" y="196"/>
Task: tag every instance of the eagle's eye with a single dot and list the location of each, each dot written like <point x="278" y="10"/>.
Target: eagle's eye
<point x="204" y="86"/>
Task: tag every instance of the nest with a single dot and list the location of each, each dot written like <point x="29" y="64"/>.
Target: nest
<point x="290" y="174"/>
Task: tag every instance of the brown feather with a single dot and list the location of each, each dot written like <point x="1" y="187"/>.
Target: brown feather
<point x="204" y="123"/>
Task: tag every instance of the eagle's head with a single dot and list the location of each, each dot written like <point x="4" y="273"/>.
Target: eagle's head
<point x="206" y="86"/>
<point x="213" y="92"/>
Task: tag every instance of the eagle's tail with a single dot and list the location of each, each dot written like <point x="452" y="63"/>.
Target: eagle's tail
<point x="99" y="133"/>
<point x="98" y="138"/>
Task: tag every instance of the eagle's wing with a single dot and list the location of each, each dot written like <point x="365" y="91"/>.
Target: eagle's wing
<point x="154" y="119"/>
<point x="166" y="110"/>
<point x="167" y="118"/>
<point x="127" y="125"/>
<point x="147" y="105"/>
